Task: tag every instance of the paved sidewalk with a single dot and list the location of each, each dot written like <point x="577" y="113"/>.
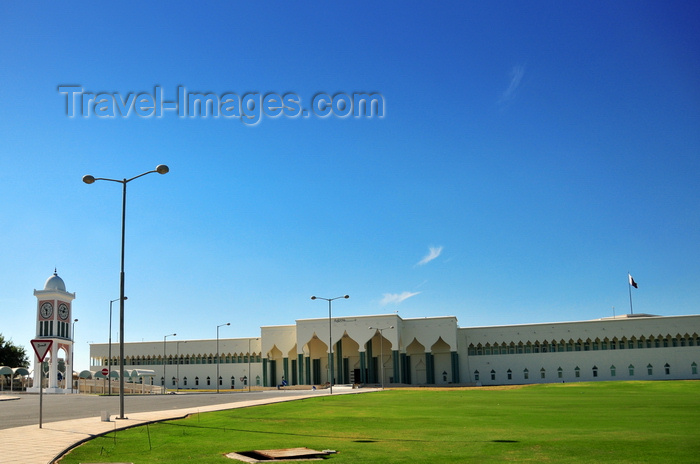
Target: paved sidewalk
<point x="33" y="445"/>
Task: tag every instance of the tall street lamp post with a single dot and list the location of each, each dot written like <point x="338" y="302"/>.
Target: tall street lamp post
<point x="88" y="179"/>
<point x="72" y="355"/>
<point x="165" y="381"/>
<point x="381" y="349"/>
<point x="109" y="360"/>
<point x="330" y="336"/>
<point x="217" y="355"/>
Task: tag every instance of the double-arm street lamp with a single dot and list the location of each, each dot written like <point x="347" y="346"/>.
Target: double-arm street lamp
<point x="165" y="381"/>
<point x="217" y="355"/>
<point x="88" y="179"/>
<point x="381" y="349"/>
<point x="330" y="336"/>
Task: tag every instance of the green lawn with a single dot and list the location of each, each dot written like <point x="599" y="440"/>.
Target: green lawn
<point x="575" y="422"/>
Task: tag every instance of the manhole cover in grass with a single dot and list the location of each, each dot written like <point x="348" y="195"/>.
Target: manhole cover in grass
<point x="278" y="455"/>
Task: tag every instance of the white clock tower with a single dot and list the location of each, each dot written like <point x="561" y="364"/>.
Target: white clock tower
<point x="53" y="322"/>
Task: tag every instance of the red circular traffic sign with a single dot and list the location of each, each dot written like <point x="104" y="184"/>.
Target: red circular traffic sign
<point x="105" y="371"/>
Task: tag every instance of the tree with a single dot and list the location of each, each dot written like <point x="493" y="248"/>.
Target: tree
<point x="12" y="355"/>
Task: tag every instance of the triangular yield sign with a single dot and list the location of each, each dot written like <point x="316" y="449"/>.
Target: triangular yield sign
<point x="41" y="347"/>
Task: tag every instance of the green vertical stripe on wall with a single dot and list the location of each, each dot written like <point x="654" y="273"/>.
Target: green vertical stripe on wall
<point x="397" y="371"/>
<point x="339" y="361"/>
<point x="300" y="365"/>
<point x="404" y="368"/>
<point x="455" y="366"/>
<point x="265" y="384"/>
<point x="363" y="367"/>
<point x="370" y="372"/>
<point x="429" y="369"/>
<point x="307" y="366"/>
<point x="285" y="369"/>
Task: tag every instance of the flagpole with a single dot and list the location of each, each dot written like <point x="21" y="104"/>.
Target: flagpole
<point x="629" y="287"/>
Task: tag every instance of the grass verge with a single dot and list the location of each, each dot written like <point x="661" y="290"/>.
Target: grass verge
<point x="564" y="423"/>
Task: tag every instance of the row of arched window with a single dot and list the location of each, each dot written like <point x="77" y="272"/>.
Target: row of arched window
<point x="525" y="375"/>
<point x="186" y="382"/>
<point x="184" y="359"/>
<point x="560" y="346"/>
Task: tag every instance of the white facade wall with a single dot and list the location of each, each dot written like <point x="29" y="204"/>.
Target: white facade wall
<point x="594" y="347"/>
<point x="197" y="367"/>
<point x="429" y="351"/>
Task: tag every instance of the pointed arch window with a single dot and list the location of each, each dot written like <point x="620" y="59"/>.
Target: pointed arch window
<point x="510" y="374"/>
<point x="613" y="370"/>
<point x="476" y="376"/>
<point x="577" y="372"/>
<point x="493" y="374"/>
<point x="694" y="368"/>
<point x="526" y="374"/>
<point x="595" y="371"/>
<point x="667" y="369"/>
<point x="560" y="372"/>
<point x="543" y="373"/>
<point x="650" y="369"/>
<point x="630" y="368"/>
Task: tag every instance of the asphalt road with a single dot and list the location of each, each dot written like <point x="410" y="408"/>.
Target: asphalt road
<point x="25" y="410"/>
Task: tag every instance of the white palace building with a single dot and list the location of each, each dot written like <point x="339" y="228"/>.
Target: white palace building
<point x="428" y="351"/>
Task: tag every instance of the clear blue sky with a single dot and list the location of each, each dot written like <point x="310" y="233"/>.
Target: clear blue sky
<point x="541" y="149"/>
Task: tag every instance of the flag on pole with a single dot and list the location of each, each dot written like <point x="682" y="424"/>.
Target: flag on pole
<point x="632" y="282"/>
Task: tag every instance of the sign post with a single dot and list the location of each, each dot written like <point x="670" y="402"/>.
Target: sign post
<point x="41" y="348"/>
<point x="108" y="381"/>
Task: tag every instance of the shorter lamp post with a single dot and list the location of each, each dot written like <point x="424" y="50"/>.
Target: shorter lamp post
<point x="217" y="354"/>
<point x="72" y="354"/>
<point x="330" y="336"/>
<point x="381" y="350"/>
<point x="165" y="381"/>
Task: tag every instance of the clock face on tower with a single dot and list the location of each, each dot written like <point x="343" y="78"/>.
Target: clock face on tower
<point x="63" y="311"/>
<point x="46" y="310"/>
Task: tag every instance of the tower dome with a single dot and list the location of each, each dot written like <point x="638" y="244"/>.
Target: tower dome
<point x="55" y="283"/>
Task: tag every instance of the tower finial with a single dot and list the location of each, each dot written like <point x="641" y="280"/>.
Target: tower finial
<point x="54" y="271"/>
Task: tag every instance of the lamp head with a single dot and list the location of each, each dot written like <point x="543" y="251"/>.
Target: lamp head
<point x="228" y="323"/>
<point x="346" y="296"/>
<point x="160" y="169"/>
<point x="313" y="297"/>
<point x="75" y="320"/>
<point x="88" y="179"/>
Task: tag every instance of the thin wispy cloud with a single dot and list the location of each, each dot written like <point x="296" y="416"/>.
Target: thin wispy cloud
<point x="396" y="298"/>
<point x="432" y="254"/>
<point x="516" y="77"/>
